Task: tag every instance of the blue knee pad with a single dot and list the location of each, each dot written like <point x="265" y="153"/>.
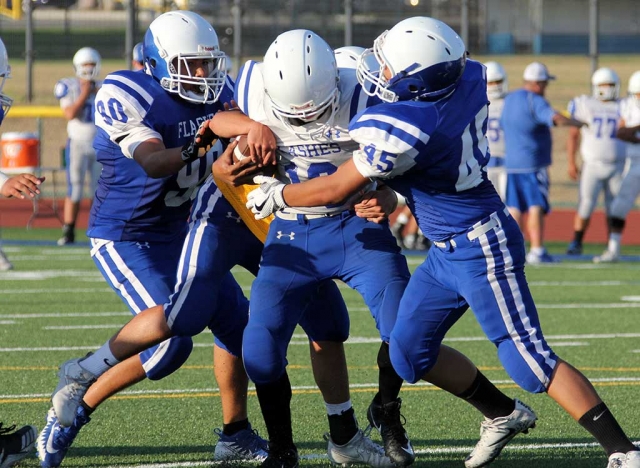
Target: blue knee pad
<point x="167" y="357"/>
<point x="410" y="362"/>
<point x="264" y="359"/>
<point x="518" y="369"/>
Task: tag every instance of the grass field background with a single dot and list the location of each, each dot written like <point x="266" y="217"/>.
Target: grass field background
<point x="573" y="78"/>
<point x="56" y="305"/>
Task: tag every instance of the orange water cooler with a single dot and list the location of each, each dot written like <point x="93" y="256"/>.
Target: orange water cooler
<point x="20" y="152"/>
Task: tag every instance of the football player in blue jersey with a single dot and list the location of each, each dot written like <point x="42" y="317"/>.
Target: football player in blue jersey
<point x="149" y="145"/>
<point x="428" y="142"/>
<point x="333" y="241"/>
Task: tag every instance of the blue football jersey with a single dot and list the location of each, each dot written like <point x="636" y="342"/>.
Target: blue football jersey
<point x="440" y="149"/>
<point x="131" y="107"/>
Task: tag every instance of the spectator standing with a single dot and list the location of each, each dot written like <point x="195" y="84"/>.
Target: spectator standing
<point x="527" y="118"/>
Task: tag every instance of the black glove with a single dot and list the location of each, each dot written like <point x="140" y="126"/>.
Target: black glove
<point x="203" y="138"/>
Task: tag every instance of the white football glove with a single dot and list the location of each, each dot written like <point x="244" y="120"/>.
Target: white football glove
<point x="267" y="198"/>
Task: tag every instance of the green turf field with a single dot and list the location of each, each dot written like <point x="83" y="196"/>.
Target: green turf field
<point x="55" y="305"/>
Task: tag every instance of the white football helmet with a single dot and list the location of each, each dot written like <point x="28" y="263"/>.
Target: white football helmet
<point x="424" y="56"/>
<point x="86" y="63"/>
<point x="497" y="83"/>
<point x="301" y="80"/>
<point x="172" y="40"/>
<point x="347" y="57"/>
<point x="634" y="85"/>
<point x="5" y="72"/>
<point x="602" y="80"/>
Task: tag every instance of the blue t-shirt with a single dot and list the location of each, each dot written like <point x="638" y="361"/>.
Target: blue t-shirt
<point x="526" y="121"/>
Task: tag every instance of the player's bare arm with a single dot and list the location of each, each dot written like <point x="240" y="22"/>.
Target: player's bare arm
<point x="628" y="134"/>
<point x="159" y="161"/>
<point x="572" y="147"/>
<point x="560" y="120"/>
<point x="326" y="190"/>
<point x="260" y="139"/>
<point x="20" y="186"/>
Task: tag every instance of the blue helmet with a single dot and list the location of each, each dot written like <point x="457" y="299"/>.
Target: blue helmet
<point x="424" y="57"/>
<point x="172" y="40"/>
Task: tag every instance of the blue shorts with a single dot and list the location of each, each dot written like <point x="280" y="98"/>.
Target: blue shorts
<point x="143" y="274"/>
<point x="301" y="255"/>
<point x="484" y="271"/>
<point x="525" y="190"/>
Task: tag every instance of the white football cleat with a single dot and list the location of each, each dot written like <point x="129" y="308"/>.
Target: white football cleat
<point x="5" y="264"/>
<point x="617" y="460"/>
<point x="607" y="257"/>
<point x="633" y="459"/>
<point x="73" y="384"/>
<point x="359" y="450"/>
<point x="496" y="433"/>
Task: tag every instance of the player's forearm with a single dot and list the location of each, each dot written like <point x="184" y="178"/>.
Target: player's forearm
<point x="161" y="163"/>
<point x="326" y="190"/>
<point x="231" y="123"/>
<point x="560" y="120"/>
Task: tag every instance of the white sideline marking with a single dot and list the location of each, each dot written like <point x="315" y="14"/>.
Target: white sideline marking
<point x="630" y="298"/>
<point x="83" y="327"/>
<point x="67" y="314"/>
<point x="371" y="385"/>
<point x="56" y="291"/>
<point x="357" y="340"/>
<point x="48" y="274"/>
<point x="427" y="451"/>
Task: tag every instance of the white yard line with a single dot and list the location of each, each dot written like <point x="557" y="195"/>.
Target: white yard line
<point x="515" y="447"/>
<point x="297" y="388"/>
<point x="358" y="340"/>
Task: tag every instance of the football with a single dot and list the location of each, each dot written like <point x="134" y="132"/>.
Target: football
<point x="242" y="150"/>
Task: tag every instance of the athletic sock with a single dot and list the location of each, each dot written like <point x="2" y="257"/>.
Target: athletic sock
<point x="275" y="403"/>
<point x="614" y="243"/>
<point x="538" y="250"/>
<point x="389" y="382"/>
<point x="343" y="426"/>
<point x="577" y="237"/>
<point x="236" y="426"/>
<point x="99" y="362"/>
<point x="87" y="409"/>
<point x="603" y="426"/>
<point x="487" y="398"/>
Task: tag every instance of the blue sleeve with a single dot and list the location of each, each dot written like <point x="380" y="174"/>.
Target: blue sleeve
<point x="228" y="93"/>
<point x="541" y="110"/>
<point x="61" y="89"/>
<point x="241" y="94"/>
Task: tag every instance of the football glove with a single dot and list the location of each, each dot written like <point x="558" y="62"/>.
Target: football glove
<point x="267" y="198"/>
<point x="203" y="138"/>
